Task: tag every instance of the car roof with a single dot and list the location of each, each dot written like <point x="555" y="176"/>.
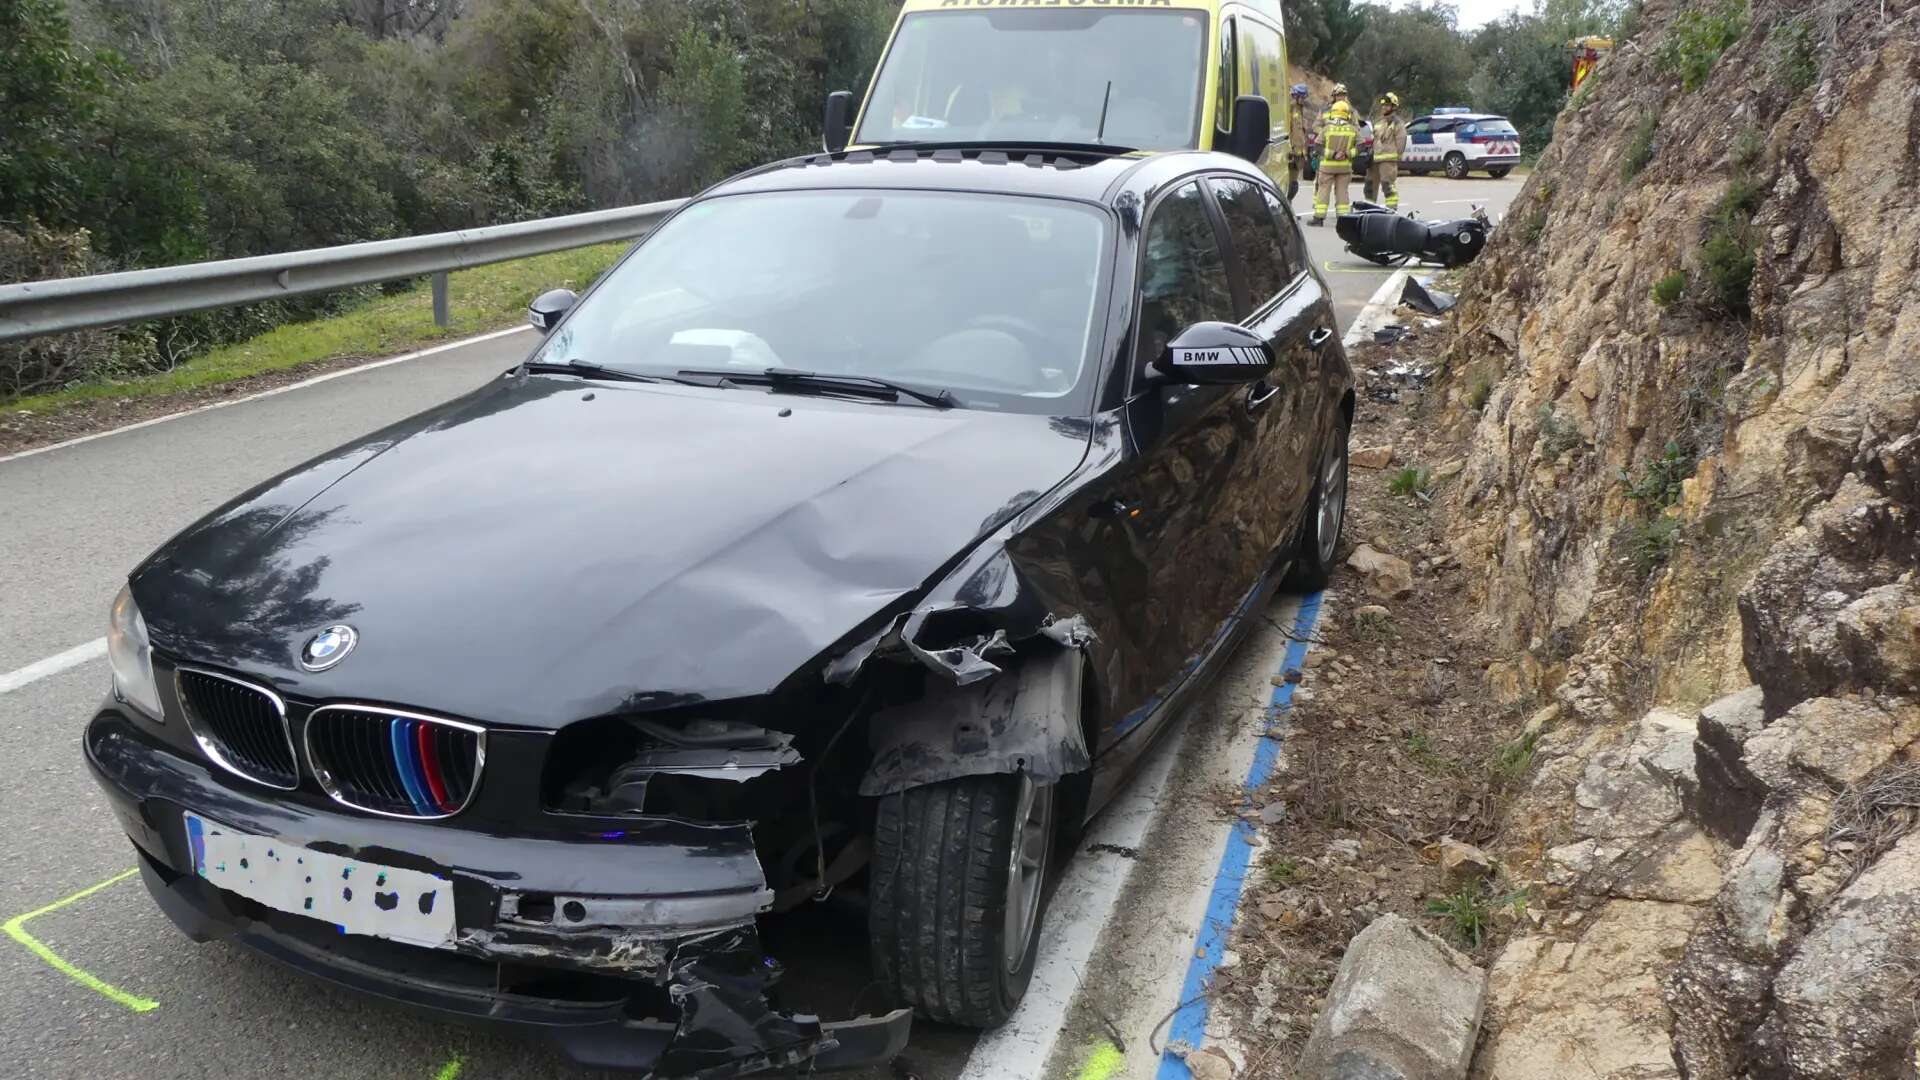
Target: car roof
<point x="1083" y="173"/>
<point x="1462" y="116"/>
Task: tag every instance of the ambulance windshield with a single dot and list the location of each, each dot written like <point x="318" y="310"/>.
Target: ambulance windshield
<point x="1021" y="74"/>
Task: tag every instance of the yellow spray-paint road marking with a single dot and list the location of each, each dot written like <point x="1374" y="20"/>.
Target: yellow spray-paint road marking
<point x="1357" y="269"/>
<point x="449" y="1071"/>
<point x="16" y="929"/>
<point x="1105" y="1060"/>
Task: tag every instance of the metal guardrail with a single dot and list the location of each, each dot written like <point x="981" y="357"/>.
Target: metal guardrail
<point x="34" y="308"/>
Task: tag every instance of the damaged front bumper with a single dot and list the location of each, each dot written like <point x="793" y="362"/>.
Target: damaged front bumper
<point x="556" y="934"/>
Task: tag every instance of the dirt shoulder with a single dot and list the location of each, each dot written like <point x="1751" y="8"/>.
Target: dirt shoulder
<point x="1394" y="744"/>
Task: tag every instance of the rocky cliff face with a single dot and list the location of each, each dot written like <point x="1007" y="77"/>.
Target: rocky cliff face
<point x="1688" y="371"/>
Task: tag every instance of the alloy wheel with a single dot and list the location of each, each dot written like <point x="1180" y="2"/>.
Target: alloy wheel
<point x="1032" y="844"/>
<point x="1333" y="501"/>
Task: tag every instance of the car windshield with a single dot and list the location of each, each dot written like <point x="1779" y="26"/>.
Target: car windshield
<point x="992" y="297"/>
<point x="1043" y="76"/>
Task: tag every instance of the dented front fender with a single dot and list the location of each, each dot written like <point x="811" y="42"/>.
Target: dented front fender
<point x="1028" y="723"/>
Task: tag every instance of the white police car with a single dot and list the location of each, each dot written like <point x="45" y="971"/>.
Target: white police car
<point x="1457" y="142"/>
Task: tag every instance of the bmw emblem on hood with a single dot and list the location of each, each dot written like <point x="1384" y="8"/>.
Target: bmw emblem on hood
<point x="328" y="647"/>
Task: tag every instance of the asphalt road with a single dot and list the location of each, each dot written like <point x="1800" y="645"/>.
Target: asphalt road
<point x="72" y="522"/>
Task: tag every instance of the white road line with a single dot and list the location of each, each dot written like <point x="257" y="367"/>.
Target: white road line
<point x="1377" y="312"/>
<point x="53" y="665"/>
<point x="1082" y="904"/>
<point x="301" y="385"/>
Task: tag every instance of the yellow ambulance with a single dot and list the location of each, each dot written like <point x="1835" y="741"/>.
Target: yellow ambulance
<point x="1139" y="74"/>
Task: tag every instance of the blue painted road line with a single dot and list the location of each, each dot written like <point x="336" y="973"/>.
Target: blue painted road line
<point x="1190" y="1021"/>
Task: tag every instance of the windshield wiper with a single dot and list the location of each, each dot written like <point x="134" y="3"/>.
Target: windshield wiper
<point x="593" y="371"/>
<point x="788" y="378"/>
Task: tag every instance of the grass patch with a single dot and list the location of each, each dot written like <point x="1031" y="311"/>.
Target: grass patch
<point x="1410" y="483"/>
<point x="1479" y="392"/>
<point x="1696" y="38"/>
<point x="1640" y="146"/>
<point x="1372" y="626"/>
<point x="1283" y="871"/>
<point x="1659" y="483"/>
<point x="1668" y="290"/>
<point x="1650" y="544"/>
<point x="1512" y="760"/>
<point x="1469" y="913"/>
<point x="481" y="299"/>
<point x="1420" y="749"/>
<point x="1557" y="433"/>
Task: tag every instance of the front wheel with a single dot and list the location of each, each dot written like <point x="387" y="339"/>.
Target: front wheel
<point x="1499" y="172"/>
<point x="958" y="888"/>
<point x="1456" y="166"/>
<point x="1313" y="560"/>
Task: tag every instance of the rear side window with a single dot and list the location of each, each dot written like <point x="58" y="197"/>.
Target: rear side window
<point x="1183" y="275"/>
<point x="1257" y="239"/>
<point x="1497" y="127"/>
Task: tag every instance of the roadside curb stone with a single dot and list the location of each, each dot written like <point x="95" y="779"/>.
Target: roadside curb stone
<point x="1404" y="1006"/>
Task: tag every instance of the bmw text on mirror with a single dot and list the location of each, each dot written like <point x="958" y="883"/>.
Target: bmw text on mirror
<point x="843" y="548"/>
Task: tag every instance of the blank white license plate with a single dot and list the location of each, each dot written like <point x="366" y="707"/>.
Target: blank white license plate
<point x="356" y="896"/>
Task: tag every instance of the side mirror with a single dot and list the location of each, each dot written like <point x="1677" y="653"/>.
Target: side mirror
<point x="836" y="128"/>
<point x="547" y="309"/>
<point x="1252" y="128"/>
<point x="1215" y="352"/>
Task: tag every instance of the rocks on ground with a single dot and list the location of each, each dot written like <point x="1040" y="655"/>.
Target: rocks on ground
<point x="1404" y="1006"/>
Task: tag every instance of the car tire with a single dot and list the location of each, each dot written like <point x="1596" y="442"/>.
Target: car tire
<point x="1499" y="172"/>
<point x="957" y="891"/>
<point x="1318" y="553"/>
<point x="1456" y="166"/>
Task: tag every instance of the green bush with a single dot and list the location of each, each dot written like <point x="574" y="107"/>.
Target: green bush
<point x="1669" y="289"/>
<point x="1696" y="38"/>
<point x="1659" y="483"/>
<point x="1650" y="544"/>
<point x="1479" y="394"/>
<point x="1640" y="146"/>
<point x="1793" y="53"/>
<point x="1728" y="255"/>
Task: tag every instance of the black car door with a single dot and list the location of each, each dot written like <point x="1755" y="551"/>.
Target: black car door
<point x="1176" y="535"/>
<point x="1282" y="306"/>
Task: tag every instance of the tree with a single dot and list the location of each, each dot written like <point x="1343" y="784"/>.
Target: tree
<point x="1321" y="34"/>
<point x="1414" y="51"/>
<point x="50" y="95"/>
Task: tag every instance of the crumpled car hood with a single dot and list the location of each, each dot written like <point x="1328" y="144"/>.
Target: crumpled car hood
<point x="544" y="549"/>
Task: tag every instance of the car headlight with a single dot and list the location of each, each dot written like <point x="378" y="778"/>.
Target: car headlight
<point x="131" y="656"/>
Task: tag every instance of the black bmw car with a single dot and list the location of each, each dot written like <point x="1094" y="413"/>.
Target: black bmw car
<point x="852" y="537"/>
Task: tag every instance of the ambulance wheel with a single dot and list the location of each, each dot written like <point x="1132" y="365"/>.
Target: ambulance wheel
<point x="1456" y="166"/>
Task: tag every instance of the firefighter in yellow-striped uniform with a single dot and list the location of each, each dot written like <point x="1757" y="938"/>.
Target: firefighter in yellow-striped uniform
<point x="1338" y="139"/>
<point x="1389" y="142"/>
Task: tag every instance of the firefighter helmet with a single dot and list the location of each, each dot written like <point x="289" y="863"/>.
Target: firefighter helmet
<point x="1339" y="90"/>
<point x="1299" y="89"/>
<point x="1390" y="98"/>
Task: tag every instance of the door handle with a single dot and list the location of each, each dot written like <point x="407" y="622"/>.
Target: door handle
<point x="1260" y="394"/>
<point x="1319" y="338"/>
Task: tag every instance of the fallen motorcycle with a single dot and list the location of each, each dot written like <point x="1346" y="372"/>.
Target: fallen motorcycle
<point x="1381" y="236"/>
